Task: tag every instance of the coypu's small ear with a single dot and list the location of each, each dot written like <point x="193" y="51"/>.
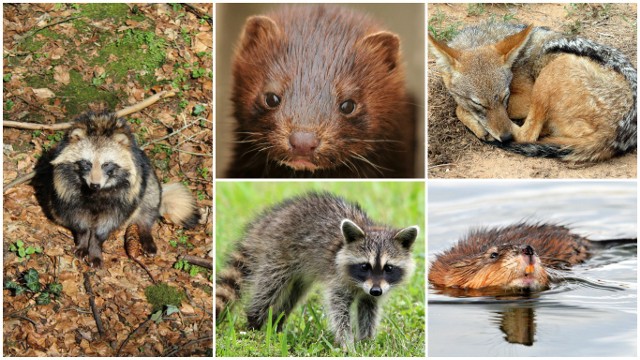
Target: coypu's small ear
<point x="383" y="46"/>
<point x="407" y="236"/>
<point x="351" y="231"/>
<point x="259" y="32"/>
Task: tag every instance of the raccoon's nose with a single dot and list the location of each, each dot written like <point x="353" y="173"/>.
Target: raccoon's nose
<point x="94" y="186"/>
<point x="375" y="291"/>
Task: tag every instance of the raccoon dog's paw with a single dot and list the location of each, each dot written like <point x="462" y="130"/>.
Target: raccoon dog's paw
<point x="95" y="262"/>
<point x="149" y="248"/>
<point x="81" y="252"/>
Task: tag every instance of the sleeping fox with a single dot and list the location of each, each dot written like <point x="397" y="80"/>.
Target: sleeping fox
<point x="577" y="98"/>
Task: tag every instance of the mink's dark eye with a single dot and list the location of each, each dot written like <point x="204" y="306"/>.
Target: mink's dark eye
<point x="493" y="255"/>
<point x="347" y="107"/>
<point x="272" y="100"/>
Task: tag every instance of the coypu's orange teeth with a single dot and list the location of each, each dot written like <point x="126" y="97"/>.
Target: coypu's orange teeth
<point x="529" y="269"/>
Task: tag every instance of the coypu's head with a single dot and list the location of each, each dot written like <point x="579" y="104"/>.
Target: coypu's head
<point x="507" y="266"/>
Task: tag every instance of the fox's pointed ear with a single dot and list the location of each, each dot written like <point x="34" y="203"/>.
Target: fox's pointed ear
<point x="260" y="32"/>
<point x="446" y="57"/>
<point x="407" y="236"/>
<point x="351" y="231"/>
<point x="510" y="46"/>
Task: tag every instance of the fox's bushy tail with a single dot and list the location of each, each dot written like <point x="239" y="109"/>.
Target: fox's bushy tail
<point x="179" y="206"/>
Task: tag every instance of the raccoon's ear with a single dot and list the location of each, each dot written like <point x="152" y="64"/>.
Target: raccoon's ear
<point x="351" y="231"/>
<point x="407" y="236"/>
<point x="121" y="139"/>
<point x="77" y="134"/>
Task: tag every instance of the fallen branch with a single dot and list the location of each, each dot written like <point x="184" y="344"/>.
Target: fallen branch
<point x="19" y="180"/>
<point x="198" y="13"/>
<point x="194" y="260"/>
<point x="92" y="304"/>
<point x="177" y="348"/>
<point x="131" y="335"/>
<point x="63" y="126"/>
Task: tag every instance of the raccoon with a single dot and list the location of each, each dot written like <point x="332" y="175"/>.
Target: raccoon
<point x="102" y="180"/>
<point x="317" y="237"/>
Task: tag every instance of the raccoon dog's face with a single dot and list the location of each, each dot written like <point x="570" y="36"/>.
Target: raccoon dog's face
<point x="94" y="162"/>
<point x="378" y="260"/>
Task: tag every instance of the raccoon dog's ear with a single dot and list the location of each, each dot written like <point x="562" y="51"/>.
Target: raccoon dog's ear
<point x="77" y="134"/>
<point x="407" y="236"/>
<point x="121" y="139"/>
<point x="351" y="231"/>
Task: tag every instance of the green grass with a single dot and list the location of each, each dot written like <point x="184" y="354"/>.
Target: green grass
<point x="306" y="332"/>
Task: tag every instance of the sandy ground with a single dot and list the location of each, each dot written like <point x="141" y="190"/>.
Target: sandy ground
<point x="455" y="153"/>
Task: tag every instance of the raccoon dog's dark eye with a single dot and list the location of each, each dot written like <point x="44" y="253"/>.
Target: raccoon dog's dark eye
<point x="84" y="165"/>
<point x="365" y="267"/>
<point x="493" y="255"/>
<point x="109" y="168"/>
<point x="347" y="107"/>
<point x="388" y="268"/>
<point x="272" y="100"/>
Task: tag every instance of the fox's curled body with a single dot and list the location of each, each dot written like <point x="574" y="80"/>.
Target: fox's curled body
<point x="577" y="97"/>
<point x="102" y="180"/>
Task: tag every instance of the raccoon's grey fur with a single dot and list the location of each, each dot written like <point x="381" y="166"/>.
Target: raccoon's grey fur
<point x="102" y="180"/>
<point x="317" y="237"/>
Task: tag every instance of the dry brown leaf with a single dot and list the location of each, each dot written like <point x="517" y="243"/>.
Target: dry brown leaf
<point x="44" y="93"/>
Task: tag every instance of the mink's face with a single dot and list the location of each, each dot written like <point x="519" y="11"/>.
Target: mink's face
<point x="320" y="100"/>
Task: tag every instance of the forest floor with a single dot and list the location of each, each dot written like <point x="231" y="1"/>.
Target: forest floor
<point x="61" y="60"/>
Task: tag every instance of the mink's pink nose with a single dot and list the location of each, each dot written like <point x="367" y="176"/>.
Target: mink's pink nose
<point x="303" y="143"/>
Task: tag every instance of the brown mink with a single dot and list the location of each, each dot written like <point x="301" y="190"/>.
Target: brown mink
<point x="319" y="91"/>
<point x="516" y="257"/>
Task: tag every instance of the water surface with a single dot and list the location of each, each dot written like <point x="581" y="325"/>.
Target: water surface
<point x="593" y="315"/>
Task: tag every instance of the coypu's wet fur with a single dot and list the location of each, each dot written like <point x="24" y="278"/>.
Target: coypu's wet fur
<point x="319" y="91"/>
<point x="516" y="257"/>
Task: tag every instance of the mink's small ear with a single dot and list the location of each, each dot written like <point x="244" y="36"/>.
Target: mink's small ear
<point x="382" y="46"/>
<point x="351" y="231"/>
<point x="407" y="236"/>
<point x="260" y="32"/>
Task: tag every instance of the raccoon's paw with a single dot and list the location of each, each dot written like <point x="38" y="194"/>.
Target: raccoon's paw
<point x="81" y="252"/>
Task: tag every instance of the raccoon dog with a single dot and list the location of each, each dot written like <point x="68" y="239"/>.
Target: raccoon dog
<point x="317" y="237"/>
<point x="102" y="180"/>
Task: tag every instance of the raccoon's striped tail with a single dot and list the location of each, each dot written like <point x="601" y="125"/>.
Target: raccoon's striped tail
<point x="229" y="281"/>
<point x="626" y="133"/>
<point x="179" y="206"/>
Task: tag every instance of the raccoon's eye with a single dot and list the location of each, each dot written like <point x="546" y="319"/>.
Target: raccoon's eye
<point x="347" y="107"/>
<point x="388" y="268"/>
<point x="494" y="255"/>
<point x="365" y="267"/>
<point x="272" y="100"/>
<point x="84" y="165"/>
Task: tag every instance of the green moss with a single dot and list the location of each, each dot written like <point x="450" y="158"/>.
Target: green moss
<point x="101" y="11"/>
<point x="161" y="295"/>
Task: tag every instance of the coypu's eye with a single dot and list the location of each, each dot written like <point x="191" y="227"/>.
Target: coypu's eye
<point x="347" y="107"/>
<point x="493" y="255"/>
<point x="365" y="267"/>
<point x="272" y="100"/>
<point x="388" y="268"/>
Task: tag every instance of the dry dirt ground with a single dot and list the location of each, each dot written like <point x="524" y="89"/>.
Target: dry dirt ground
<point x="59" y="61"/>
<point x="453" y="152"/>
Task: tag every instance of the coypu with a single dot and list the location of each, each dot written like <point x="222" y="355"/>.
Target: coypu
<point x="517" y="257"/>
<point x="319" y="91"/>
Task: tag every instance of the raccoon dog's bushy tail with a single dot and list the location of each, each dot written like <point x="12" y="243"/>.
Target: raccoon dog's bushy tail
<point x="229" y="281"/>
<point x="179" y="206"/>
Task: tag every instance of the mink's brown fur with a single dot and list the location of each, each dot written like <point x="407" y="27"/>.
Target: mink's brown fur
<point x="319" y="91"/>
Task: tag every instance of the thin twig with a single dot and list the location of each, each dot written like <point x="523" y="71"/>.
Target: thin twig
<point x="188" y="343"/>
<point x="33" y="32"/>
<point x="144" y="323"/>
<point x="205" y="263"/>
<point x="169" y="135"/>
<point x="21" y="317"/>
<point x="92" y="304"/>
<point x="144" y="103"/>
<point x="20" y="180"/>
<point x="198" y="13"/>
